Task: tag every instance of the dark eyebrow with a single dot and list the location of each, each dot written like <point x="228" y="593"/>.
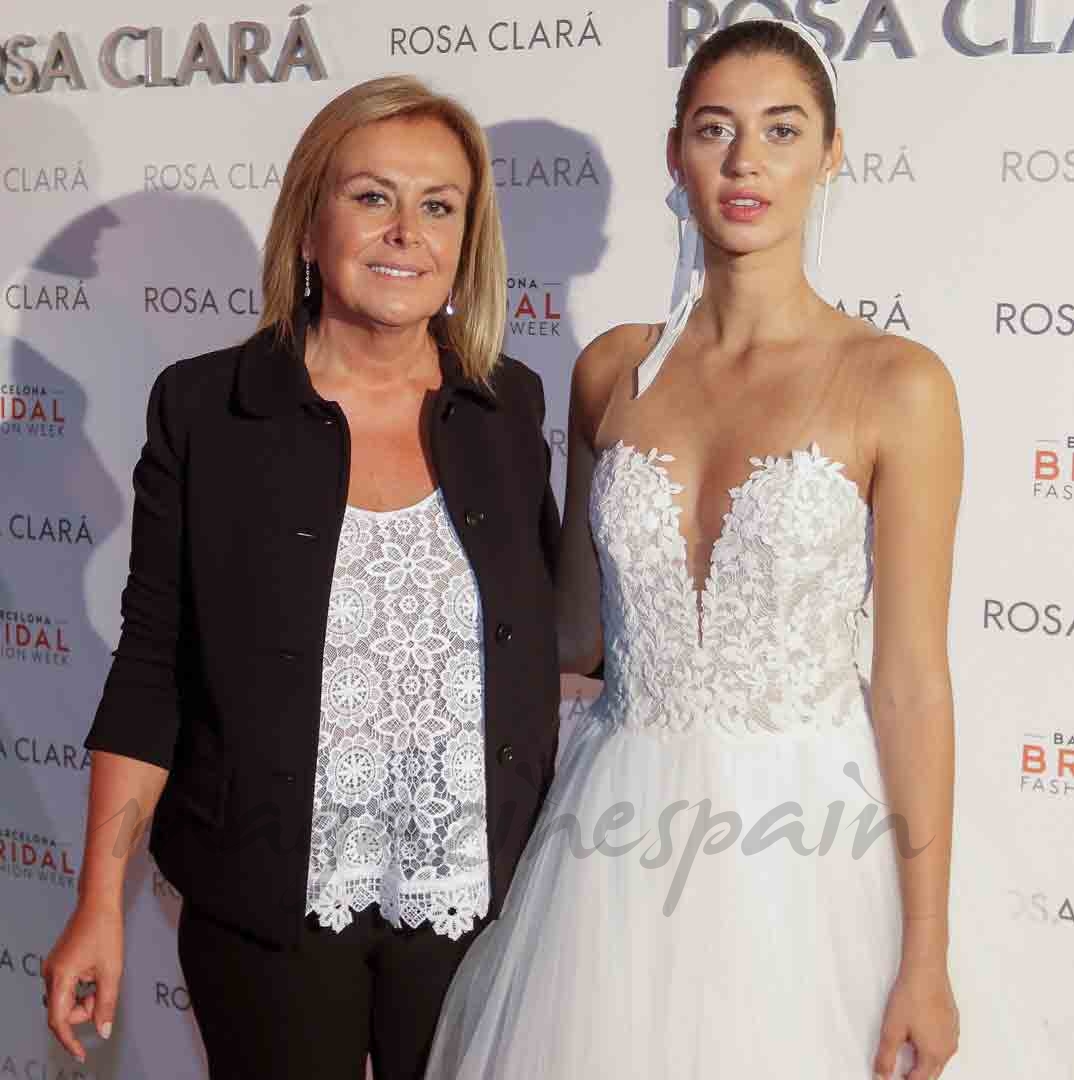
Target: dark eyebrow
<point x="772" y="110"/>
<point x="385" y="182"/>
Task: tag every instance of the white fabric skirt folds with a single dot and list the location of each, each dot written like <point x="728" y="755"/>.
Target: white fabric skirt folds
<point x="712" y="947"/>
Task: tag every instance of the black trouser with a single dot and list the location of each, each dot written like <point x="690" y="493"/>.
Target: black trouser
<point x="316" y="1011"/>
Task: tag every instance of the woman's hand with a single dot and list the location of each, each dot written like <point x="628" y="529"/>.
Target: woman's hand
<point x="921" y="1010"/>
<point x="90" y="949"/>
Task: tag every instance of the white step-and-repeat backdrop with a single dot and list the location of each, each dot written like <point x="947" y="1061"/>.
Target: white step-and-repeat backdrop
<point x="141" y="150"/>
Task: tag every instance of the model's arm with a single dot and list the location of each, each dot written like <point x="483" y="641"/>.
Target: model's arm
<point x="548" y="521"/>
<point x="578" y="626"/>
<point x="917" y="484"/>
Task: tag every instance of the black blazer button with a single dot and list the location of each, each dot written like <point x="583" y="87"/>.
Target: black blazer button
<point x="306" y="534"/>
<point x="449" y="408"/>
<point x="474" y="517"/>
<point x="286" y="777"/>
<point x="503" y="633"/>
<point x="329" y="421"/>
<point x="286" y="654"/>
<point x="506" y="754"/>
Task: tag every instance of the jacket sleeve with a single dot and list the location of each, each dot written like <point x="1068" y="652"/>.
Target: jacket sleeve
<point x="138" y="715"/>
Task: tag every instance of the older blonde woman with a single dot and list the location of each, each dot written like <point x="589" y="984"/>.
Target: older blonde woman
<point x="342" y="790"/>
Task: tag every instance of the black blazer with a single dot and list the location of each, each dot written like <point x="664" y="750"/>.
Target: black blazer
<point x="239" y="500"/>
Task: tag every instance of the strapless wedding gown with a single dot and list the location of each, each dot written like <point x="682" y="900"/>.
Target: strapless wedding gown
<point x="740" y="916"/>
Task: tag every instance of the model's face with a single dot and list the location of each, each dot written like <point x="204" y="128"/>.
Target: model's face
<point x="751" y="152"/>
<point x="389" y="229"/>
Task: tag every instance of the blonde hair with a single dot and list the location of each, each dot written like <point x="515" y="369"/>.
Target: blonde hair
<point x="475" y="331"/>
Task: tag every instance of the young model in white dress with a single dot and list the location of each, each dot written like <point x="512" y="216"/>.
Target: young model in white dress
<point x="742" y="867"/>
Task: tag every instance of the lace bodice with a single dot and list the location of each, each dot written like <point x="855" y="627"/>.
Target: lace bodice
<point x="770" y="645"/>
<point x="399" y="801"/>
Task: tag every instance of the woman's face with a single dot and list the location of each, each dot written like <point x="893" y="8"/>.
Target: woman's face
<point x="390" y="224"/>
<point x="751" y="152"/>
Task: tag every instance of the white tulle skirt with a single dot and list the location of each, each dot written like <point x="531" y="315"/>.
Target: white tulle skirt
<point x="700" y="952"/>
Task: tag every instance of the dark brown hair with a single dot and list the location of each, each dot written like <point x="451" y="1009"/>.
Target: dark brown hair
<point x="751" y="38"/>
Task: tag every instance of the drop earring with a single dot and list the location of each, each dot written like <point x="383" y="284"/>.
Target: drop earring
<point x="306" y="294"/>
<point x="823" y="218"/>
<point x="449" y="307"/>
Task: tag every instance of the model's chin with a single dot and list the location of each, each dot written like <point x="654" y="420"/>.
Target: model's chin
<point x="737" y="240"/>
<point x="738" y="246"/>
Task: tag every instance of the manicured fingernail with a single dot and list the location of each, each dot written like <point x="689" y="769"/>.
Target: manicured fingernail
<point x="106" y="1029"/>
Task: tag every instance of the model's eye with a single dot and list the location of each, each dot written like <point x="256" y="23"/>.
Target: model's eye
<point x="439" y="208"/>
<point x="717" y="132"/>
<point x="785" y="133"/>
<point x="371" y="198"/>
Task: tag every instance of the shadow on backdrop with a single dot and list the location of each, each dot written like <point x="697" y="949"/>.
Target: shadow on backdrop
<point x="82" y="378"/>
<point x="554" y="192"/>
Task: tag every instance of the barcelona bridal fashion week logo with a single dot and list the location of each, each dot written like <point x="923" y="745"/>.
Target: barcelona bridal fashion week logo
<point x="1053" y="470"/>
<point x="34" y="637"/>
<point x="32" y="411"/>
<point x="27" y="855"/>
<point x="534" y="307"/>
<point x="1047" y="763"/>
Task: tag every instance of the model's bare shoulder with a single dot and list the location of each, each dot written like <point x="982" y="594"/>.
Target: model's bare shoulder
<point x="602" y="365"/>
<point x="615" y="352"/>
<point x="910" y="382"/>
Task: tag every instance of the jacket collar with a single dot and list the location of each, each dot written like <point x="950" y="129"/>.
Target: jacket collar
<point x="272" y="378"/>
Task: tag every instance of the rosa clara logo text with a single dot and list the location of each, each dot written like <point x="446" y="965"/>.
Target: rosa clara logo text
<point x="847" y="35"/>
<point x="1028" y="617"/>
<point x="142" y="56"/>
<point x="1038" y="166"/>
<point x="505" y="36"/>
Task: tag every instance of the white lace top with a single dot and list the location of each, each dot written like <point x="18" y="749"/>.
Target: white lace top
<point x="769" y="646"/>
<point x="399" y="802"/>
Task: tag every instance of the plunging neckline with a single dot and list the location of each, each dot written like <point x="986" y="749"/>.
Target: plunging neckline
<point x="763" y="467"/>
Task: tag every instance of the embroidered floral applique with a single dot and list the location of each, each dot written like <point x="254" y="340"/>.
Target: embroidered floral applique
<point x="768" y="643"/>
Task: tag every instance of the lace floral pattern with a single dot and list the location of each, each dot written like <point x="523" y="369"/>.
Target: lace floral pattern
<point x="399" y="804"/>
<point x="770" y="644"/>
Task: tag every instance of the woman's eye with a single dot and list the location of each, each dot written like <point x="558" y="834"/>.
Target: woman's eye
<point x="717" y="131"/>
<point x="784" y="132"/>
<point x="439" y="209"/>
<point x="371" y="198"/>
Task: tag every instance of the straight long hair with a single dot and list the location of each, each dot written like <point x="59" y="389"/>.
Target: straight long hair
<point x="475" y="332"/>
